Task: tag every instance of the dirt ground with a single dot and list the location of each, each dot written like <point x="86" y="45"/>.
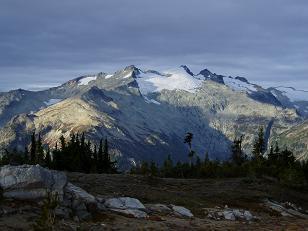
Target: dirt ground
<point x="195" y="194"/>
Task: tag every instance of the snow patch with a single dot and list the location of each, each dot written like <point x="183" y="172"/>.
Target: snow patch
<point x="293" y="94"/>
<point x="52" y="102"/>
<point x="86" y="80"/>
<point x="174" y="79"/>
<point x="127" y="75"/>
<point x="108" y="76"/>
<point x="238" y="85"/>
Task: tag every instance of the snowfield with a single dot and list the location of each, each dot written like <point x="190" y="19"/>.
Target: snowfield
<point x="293" y="94"/>
<point x="174" y="79"/>
<point x="86" y="80"/>
<point x="108" y="76"/>
<point x="238" y="85"/>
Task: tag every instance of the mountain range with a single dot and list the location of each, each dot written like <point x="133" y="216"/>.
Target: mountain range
<point x="146" y="113"/>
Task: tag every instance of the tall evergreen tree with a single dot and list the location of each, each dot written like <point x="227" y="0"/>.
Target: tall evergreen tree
<point x="48" y="158"/>
<point x="259" y="145"/>
<point x="33" y="149"/>
<point x="206" y="158"/>
<point x="167" y="167"/>
<point x="188" y="140"/>
<point x="26" y="155"/>
<point x="100" y="157"/>
<point x="238" y="156"/>
<point x="40" y="151"/>
<point x="271" y="155"/>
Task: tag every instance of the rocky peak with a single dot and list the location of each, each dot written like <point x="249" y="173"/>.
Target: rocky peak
<point x="242" y="79"/>
<point x="187" y="70"/>
<point x="206" y="73"/>
<point x="214" y="77"/>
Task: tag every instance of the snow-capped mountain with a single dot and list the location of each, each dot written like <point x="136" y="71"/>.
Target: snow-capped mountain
<point x="146" y="113"/>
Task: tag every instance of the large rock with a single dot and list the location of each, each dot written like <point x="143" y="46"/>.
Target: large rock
<point x="158" y="208"/>
<point x="78" y="194"/>
<point x="181" y="211"/>
<point x="31" y="182"/>
<point x="124" y="203"/>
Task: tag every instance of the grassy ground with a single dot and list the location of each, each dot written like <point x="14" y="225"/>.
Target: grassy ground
<point x="197" y="194"/>
<point x="194" y="194"/>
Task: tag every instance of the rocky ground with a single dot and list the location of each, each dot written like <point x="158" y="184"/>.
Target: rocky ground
<point x="216" y="204"/>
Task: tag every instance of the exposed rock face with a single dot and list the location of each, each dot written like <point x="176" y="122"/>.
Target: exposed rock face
<point x="296" y="139"/>
<point x="31" y="182"/>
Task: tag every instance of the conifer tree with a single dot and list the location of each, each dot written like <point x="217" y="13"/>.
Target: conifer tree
<point x="39" y="151"/>
<point x="108" y="165"/>
<point x="206" y="158"/>
<point x="33" y="149"/>
<point x="188" y="140"/>
<point x="271" y="155"/>
<point x="100" y="157"/>
<point x="238" y="156"/>
<point x="26" y="155"/>
<point x="48" y="158"/>
<point x="259" y="145"/>
<point x="62" y="142"/>
<point x="167" y="167"/>
<point x="153" y="169"/>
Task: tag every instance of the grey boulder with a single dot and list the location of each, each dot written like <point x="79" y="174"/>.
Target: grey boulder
<point x="181" y="211"/>
<point x="131" y="213"/>
<point x="124" y="203"/>
<point x="31" y="182"/>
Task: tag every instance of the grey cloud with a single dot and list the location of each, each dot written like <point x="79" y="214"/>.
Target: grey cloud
<point x="52" y="41"/>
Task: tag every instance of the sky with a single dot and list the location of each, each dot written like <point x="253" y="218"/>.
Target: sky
<point x="44" y="43"/>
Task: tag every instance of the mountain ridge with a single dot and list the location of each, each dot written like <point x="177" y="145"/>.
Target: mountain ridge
<point x="149" y="111"/>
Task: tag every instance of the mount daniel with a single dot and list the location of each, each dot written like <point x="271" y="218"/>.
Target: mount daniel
<point x="146" y="113"/>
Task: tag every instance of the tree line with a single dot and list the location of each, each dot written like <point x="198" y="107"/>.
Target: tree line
<point x="278" y="163"/>
<point x="76" y="155"/>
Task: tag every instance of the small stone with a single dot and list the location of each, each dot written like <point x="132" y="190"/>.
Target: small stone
<point x="238" y="214"/>
<point x="228" y="215"/>
<point x="248" y="216"/>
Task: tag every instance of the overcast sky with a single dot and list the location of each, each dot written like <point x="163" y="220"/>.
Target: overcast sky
<point x="46" y="42"/>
